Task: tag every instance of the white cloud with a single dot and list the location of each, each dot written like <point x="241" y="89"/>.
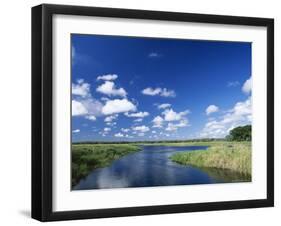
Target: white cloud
<point x="157" y="121"/>
<point x="104" y="99"/>
<point x="151" y="92"/>
<point x="106" y="129"/>
<point x="171" y="127"/>
<point x="241" y="111"/>
<point x="247" y="86"/>
<point x="108" y="77"/>
<point x="159" y="91"/>
<point x="119" y="135"/>
<point x="108" y="88"/>
<point x="84" y="104"/>
<point x="168" y="93"/>
<point x="154" y="55"/>
<point x="128" y="136"/>
<point x="81" y="88"/>
<point x="182" y="123"/>
<point x="76" y="131"/>
<point x="125" y="130"/>
<point x="78" y="108"/>
<point x="138" y="120"/>
<point x="175" y="126"/>
<point x="239" y="115"/>
<point x="153" y="131"/>
<point x="137" y="114"/>
<point x="111" y="123"/>
<point x="103" y="133"/>
<point x="142" y="129"/>
<point x="91" y="117"/>
<point x="118" y="106"/>
<point x="94" y="107"/>
<point x="212" y="109"/>
<point x="110" y="118"/>
<point x="163" y="106"/>
<point x="171" y="115"/>
<point x="141" y="134"/>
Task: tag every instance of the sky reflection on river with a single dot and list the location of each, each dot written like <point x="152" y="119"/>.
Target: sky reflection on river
<point x="151" y="167"/>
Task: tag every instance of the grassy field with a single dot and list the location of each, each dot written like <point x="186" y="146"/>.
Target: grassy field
<point x="234" y="156"/>
<point x="86" y="157"/>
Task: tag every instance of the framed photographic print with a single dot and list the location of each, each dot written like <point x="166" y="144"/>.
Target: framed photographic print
<point x="146" y="112"/>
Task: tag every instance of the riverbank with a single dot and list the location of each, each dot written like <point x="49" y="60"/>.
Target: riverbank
<point x="87" y="157"/>
<point x="235" y="156"/>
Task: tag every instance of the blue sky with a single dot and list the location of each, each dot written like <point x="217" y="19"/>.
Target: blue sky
<point x="128" y="88"/>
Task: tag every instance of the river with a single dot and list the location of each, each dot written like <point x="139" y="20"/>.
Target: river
<point x="152" y="167"/>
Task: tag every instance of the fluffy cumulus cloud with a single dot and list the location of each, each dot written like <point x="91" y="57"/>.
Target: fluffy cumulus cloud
<point x="81" y="88"/>
<point x="141" y="129"/>
<point x="157" y="122"/>
<point x="106" y="129"/>
<point x="118" y="106"/>
<point x="138" y="120"/>
<point x="111" y="123"/>
<point x="108" y="77"/>
<point x="119" y="135"/>
<point x="76" y="131"/>
<point x="171" y="115"/>
<point x="211" y="109"/>
<point x="151" y="92"/>
<point x="247" y="86"/>
<point x="93" y="106"/>
<point x="171" y="127"/>
<point x="137" y="114"/>
<point x="163" y="106"/>
<point x="171" y="120"/>
<point x="109" y="88"/>
<point x="78" y="108"/>
<point x="239" y="115"/>
<point x="175" y="126"/>
<point x="110" y="118"/>
<point x="164" y="92"/>
<point x="91" y="117"/>
<point x="167" y="93"/>
<point x="125" y="130"/>
<point x="83" y="104"/>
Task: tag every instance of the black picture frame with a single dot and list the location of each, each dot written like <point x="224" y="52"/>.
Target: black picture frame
<point x="42" y="108"/>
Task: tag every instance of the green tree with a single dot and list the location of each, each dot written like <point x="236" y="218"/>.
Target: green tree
<point x="240" y="133"/>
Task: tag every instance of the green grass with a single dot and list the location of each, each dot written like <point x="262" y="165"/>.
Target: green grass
<point x="87" y="157"/>
<point x="235" y="156"/>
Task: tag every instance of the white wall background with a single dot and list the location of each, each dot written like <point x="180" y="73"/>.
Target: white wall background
<point x="15" y="120"/>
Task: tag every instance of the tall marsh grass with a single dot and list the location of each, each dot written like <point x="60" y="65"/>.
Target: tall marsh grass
<point x="87" y="157"/>
<point x="234" y="156"/>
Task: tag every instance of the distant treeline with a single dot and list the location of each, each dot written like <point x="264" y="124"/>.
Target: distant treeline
<point x="151" y="142"/>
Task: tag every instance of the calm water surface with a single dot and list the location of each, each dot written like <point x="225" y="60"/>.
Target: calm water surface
<point x="152" y="167"/>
